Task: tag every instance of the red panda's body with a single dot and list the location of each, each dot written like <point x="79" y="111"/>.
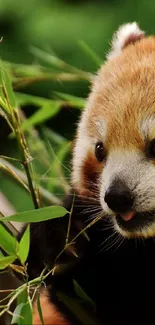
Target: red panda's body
<point x="118" y="276"/>
<point x="113" y="176"/>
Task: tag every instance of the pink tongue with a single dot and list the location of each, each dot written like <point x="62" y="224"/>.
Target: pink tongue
<point x="127" y="216"/>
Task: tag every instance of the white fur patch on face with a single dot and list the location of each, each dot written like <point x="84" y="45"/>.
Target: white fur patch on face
<point x="126" y="34"/>
<point x="80" y="152"/>
<point x="138" y="174"/>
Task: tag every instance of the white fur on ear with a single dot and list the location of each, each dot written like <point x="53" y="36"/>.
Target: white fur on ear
<point x="126" y="34"/>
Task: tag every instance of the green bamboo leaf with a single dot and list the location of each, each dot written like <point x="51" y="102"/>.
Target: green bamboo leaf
<point x="53" y="136"/>
<point x="12" y="173"/>
<point x="48" y="58"/>
<point x="6" y="83"/>
<point x="40" y="310"/>
<point x="17" y="314"/>
<point x="22" y="297"/>
<point x="57" y="63"/>
<point x="90" y="53"/>
<point x="82" y="294"/>
<point x="72" y="100"/>
<point x="42" y="114"/>
<point x="4" y="107"/>
<point x="1" y="254"/>
<point x="23" y="314"/>
<point x="38" y="214"/>
<point x="24" y="245"/>
<point x="25" y="99"/>
<point x="20" y="70"/>
<point x="7" y="241"/>
<point x="26" y="313"/>
<point x="84" y="316"/>
<point x="5" y="261"/>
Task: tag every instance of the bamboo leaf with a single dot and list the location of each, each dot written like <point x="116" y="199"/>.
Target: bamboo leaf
<point x="72" y="100"/>
<point x="11" y="172"/>
<point x="38" y="214"/>
<point x="22" y="297"/>
<point x="17" y="314"/>
<point x="26" y="313"/>
<point x="84" y="316"/>
<point x="90" y="53"/>
<point x="24" y="245"/>
<point x="25" y="99"/>
<point x="7" y="241"/>
<point x="23" y="314"/>
<point x="5" y="261"/>
<point x="7" y="166"/>
<point x="57" y="63"/>
<point x="4" y="108"/>
<point x="40" y="310"/>
<point x="1" y="254"/>
<point x="6" y="83"/>
<point x="82" y="294"/>
<point x="41" y="115"/>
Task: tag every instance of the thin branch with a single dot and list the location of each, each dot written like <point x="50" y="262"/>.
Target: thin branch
<point x="25" y="156"/>
<point x="69" y="222"/>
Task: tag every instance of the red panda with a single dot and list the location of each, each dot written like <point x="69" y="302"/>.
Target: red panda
<point x="113" y="175"/>
<point x="115" y="146"/>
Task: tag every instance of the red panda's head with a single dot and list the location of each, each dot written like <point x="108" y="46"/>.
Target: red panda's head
<point x="114" y="153"/>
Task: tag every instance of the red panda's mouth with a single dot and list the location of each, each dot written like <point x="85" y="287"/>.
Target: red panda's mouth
<point x="136" y="221"/>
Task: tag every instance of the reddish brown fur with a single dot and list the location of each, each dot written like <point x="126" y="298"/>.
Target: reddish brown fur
<point x="91" y="170"/>
<point x="133" y="38"/>
<point x="125" y="93"/>
<point x="50" y="313"/>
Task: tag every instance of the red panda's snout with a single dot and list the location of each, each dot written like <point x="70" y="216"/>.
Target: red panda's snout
<point x="119" y="198"/>
<point x="114" y="153"/>
<point x="127" y="192"/>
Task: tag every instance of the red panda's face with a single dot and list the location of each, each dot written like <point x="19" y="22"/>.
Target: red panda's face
<point x="114" y="154"/>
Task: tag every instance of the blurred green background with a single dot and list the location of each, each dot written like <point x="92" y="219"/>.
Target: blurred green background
<point x="64" y="29"/>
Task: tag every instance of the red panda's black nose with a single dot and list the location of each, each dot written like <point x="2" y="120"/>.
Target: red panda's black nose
<point x="118" y="197"/>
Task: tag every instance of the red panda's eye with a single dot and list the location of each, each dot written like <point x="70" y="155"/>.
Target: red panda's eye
<point x="99" y="151"/>
<point x="151" y="149"/>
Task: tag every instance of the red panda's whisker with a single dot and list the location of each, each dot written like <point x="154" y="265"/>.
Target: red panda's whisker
<point x="92" y="208"/>
<point x="118" y="240"/>
<point x="113" y="241"/>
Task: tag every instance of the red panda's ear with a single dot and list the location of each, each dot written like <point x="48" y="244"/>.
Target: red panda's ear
<point x="125" y="35"/>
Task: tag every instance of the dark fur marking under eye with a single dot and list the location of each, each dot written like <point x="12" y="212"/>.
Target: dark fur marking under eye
<point x="91" y="170"/>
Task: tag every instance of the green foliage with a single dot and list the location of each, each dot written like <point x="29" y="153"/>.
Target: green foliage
<point x="22" y="314"/>
<point x="25" y="313"/>
<point x="81" y="294"/>
<point x="38" y="166"/>
<point x="77" y="308"/>
<point x="7" y="242"/>
<point x="40" y="309"/>
<point x="47" y="65"/>
<point x="6" y="261"/>
<point x="24" y="245"/>
<point x="43" y="114"/>
<point x="7" y="93"/>
<point x="38" y="215"/>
